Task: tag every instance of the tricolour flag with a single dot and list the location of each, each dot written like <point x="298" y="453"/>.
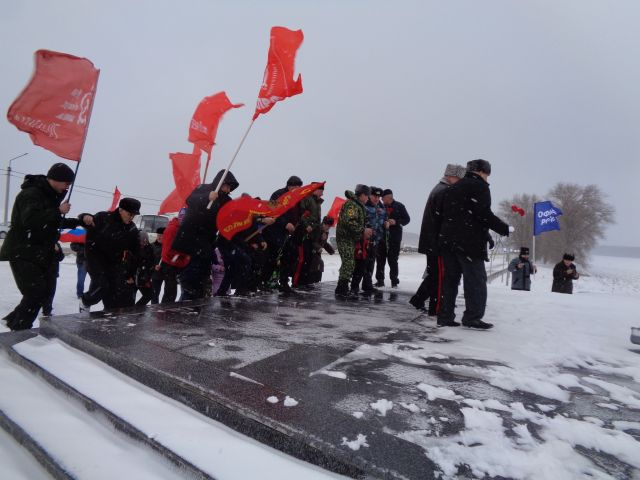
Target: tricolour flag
<point x="545" y="217"/>
<point x="278" y="82"/>
<point x="73" y="235"/>
<point x="55" y="106"/>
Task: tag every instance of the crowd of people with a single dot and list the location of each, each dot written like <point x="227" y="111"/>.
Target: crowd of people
<point x="282" y="252"/>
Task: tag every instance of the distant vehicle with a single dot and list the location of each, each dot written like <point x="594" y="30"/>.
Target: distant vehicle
<point x="150" y="223"/>
<point x="4" y="229"/>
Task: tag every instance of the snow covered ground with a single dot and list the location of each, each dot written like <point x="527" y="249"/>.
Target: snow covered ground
<point x="542" y="344"/>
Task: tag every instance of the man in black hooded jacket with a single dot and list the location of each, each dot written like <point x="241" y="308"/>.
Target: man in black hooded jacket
<point x="37" y="215"/>
<point x="197" y="234"/>
<point x="466" y="219"/>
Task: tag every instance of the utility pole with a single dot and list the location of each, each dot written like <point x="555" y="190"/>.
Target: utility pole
<point x="6" y="192"/>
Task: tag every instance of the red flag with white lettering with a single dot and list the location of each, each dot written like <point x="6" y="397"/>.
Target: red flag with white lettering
<point x="278" y="82"/>
<point x="205" y="120"/>
<point x="172" y="204"/>
<point x="186" y="172"/>
<point x="115" y="200"/>
<point x="55" y="107"/>
<point x="238" y="215"/>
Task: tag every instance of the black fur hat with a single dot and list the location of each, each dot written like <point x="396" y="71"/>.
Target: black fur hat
<point x="131" y="205"/>
<point x="61" y="173"/>
<point x="479" y="165"/>
<point x="294" y="181"/>
<point x="362" y="189"/>
<point x="569" y="256"/>
<point x="524" y="250"/>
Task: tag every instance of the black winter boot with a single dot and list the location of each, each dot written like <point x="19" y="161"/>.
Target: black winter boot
<point x="342" y="290"/>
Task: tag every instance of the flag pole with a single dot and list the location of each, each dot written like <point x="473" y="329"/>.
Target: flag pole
<point x="84" y="140"/>
<point x="206" y="168"/>
<point x="533" y="246"/>
<point x="224" y="175"/>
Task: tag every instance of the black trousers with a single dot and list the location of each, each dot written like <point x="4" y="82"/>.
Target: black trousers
<point x="195" y="277"/>
<point x="475" y="287"/>
<point x="34" y="283"/>
<point x="388" y="252"/>
<point x="169" y="276"/>
<point x="110" y="288"/>
<point x="431" y="286"/>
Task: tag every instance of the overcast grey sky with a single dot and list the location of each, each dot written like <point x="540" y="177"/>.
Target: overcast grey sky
<point x="547" y="91"/>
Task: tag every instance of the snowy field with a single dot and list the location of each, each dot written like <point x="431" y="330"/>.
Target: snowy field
<point x="550" y="345"/>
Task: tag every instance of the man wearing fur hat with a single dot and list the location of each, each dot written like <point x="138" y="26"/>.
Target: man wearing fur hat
<point x="37" y="215"/>
<point x="112" y="250"/>
<point x="351" y="229"/>
<point x="428" y="243"/>
<point x="521" y="269"/>
<point x="462" y="243"/>
<point x="564" y="273"/>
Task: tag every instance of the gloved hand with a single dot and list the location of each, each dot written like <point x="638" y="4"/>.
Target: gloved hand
<point x="511" y="229"/>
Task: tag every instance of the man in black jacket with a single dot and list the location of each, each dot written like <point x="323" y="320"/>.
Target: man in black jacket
<point x="112" y="248"/>
<point x="428" y="243"/>
<point x="37" y="215"/>
<point x="389" y="248"/>
<point x="197" y="234"/>
<point x="564" y="273"/>
<point x="283" y="239"/>
<point x="466" y="220"/>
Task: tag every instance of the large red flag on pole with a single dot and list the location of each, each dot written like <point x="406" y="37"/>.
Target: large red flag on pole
<point x="205" y="120"/>
<point x="278" y="82"/>
<point x="237" y="215"/>
<point x="115" y="200"/>
<point x="55" y="107"/>
<point x="173" y="203"/>
<point x="186" y="172"/>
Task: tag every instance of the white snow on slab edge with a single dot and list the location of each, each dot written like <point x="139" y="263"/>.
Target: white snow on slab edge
<point x="209" y="445"/>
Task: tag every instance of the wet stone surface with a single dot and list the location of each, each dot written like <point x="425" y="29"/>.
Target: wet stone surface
<point x="237" y="352"/>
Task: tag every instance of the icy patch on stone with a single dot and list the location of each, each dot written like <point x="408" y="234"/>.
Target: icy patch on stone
<point x="272" y="399"/>
<point x="619" y="394"/>
<point x="610" y="406"/>
<point x="246" y="379"/>
<point x="358" y="415"/>
<point x="438" y="392"/>
<point x="290" y="402"/>
<point x="382" y="406"/>
<point x="360" y="441"/>
<point x="412" y="407"/>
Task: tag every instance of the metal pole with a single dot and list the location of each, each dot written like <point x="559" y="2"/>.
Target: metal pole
<point x="6" y="193"/>
<point x="224" y="175"/>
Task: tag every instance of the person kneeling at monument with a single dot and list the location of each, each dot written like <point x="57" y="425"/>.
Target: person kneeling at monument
<point x="521" y="269"/>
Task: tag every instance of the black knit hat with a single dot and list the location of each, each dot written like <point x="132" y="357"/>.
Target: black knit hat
<point x="479" y="165"/>
<point x="569" y="256"/>
<point x="361" y="188"/>
<point x="131" y="205"/>
<point x="376" y="191"/>
<point x="61" y="173"/>
<point x="387" y="191"/>
<point x="524" y="250"/>
<point x="294" y="181"/>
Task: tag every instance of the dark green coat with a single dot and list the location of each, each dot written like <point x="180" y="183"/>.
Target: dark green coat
<point x="35" y="223"/>
<point x="311" y="216"/>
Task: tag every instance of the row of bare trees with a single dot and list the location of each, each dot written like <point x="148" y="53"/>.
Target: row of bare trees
<point x="585" y="217"/>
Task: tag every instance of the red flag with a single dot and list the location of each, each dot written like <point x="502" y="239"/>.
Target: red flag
<point x="205" y="120"/>
<point x="186" y="172"/>
<point x="334" y="211"/>
<point x="115" y="200"/>
<point x="173" y="203"/>
<point x="278" y="82"/>
<point x="237" y="215"/>
<point x="55" y="106"/>
<point x="518" y="210"/>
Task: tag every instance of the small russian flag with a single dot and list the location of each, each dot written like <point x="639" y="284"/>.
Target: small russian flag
<point x="75" y="235"/>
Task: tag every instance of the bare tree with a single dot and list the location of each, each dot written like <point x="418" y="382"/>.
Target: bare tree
<point x="523" y="225"/>
<point x="585" y="217"/>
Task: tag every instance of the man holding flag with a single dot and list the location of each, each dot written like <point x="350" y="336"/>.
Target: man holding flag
<point x="37" y="215"/>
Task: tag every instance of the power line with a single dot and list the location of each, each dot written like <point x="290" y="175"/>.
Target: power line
<point x="14" y="172"/>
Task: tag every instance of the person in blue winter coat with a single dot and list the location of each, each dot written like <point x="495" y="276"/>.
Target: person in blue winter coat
<point x="521" y="270"/>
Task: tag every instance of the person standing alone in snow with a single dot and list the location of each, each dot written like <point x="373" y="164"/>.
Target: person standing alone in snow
<point x="564" y="273"/>
<point x="521" y="269"/>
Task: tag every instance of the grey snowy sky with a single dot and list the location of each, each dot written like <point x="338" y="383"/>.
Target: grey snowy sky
<point x="547" y="91"/>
